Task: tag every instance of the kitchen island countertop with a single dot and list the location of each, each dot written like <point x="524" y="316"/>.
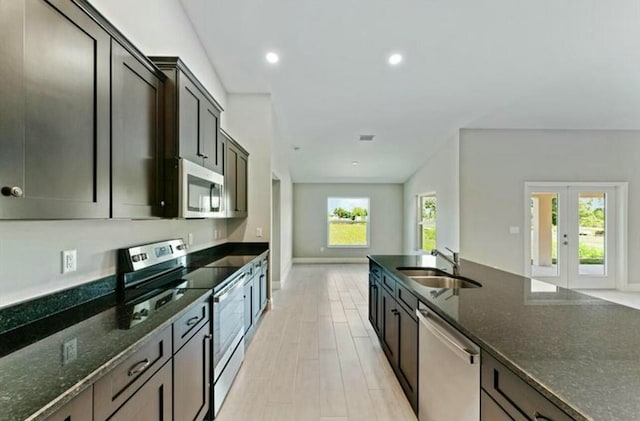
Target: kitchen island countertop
<point x="581" y="352"/>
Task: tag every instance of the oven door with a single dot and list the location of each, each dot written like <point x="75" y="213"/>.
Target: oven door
<point x="201" y="191"/>
<point x="228" y="322"/>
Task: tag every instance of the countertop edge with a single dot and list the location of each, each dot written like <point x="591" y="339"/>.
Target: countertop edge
<point x="487" y="347"/>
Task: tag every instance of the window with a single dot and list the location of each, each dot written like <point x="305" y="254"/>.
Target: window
<point x="348" y="222"/>
<point x="427" y="221"/>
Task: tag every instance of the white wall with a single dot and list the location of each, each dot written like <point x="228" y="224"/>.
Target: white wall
<point x="280" y="170"/>
<point x="440" y="175"/>
<point x="162" y="28"/>
<point x="310" y="219"/>
<point x="495" y="164"/>
<point x="30" y="259"/>
<point x="250" y="123"/>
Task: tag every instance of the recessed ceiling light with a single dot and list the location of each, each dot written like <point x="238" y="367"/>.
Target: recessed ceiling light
<point x="395" y="59"/>
<point x="355" y="163"/>
<point x="272" y="57"/>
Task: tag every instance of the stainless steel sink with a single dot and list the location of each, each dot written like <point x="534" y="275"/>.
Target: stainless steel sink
<point x="422" y="272"/>
<point x="435" y="278"/>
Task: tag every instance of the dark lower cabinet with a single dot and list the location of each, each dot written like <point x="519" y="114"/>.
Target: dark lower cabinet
<point x="373" y="302"/>
<point x="78" y="409"/>
<point x="407" y="362"/>
<point x="512" y="397"/>
<point x="389" y="331"/>
<point x="54" y="111"/>
<point x="153" y="401"/>
<point x="256" y="308"/>
<point x="390" y="314"/>
<point x="489" y="410"/>
<point x="248" y="305"/>
<point x="192" y="377"/>
<point x="136" y="145"/>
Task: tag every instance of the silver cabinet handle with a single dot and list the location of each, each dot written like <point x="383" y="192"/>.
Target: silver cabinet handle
<point x="192" y="321"/>
<point x="139" y="367"/>
<point x="446" y="338"/>
<point x="14" y="191"/>
<point x="208" y="336"/>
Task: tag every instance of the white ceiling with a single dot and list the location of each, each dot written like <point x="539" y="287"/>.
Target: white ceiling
<point x="468" y="63"/>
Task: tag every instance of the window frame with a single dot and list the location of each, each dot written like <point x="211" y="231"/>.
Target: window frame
<point x="368" y="224"/>
<point x="420" y="222"/>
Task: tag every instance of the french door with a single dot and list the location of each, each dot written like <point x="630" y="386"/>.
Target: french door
<point x="572" y="234"/>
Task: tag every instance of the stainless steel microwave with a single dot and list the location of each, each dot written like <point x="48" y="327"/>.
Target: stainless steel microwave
<point x="201" y="193"/>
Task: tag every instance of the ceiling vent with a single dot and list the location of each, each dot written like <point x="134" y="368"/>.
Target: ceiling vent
<point x="367" y="137"/>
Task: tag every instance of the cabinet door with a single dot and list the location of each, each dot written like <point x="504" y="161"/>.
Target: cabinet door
<point x="389" y="325"/>
<point x="230" y="178"/>
<point x="54" y="112"/>
<point x="78" y="409"/>
<point x="190" y="112"/>
<point x="373" y="302"/>
<point x="191" y="377"/>
<point x="211" y="143"/>
<point x="491" y="411"/>
<point x="242" y="183"/>
<point x="256" y="298"/>
<point x="263" y="289"/>
<point x="136" y="145"/>
<point x="408" y="355"/>
<point x="248" y="305"/>
<point x="151" y="402"/>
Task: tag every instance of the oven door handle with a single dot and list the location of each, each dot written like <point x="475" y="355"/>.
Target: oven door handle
<point x="222" y="295"/>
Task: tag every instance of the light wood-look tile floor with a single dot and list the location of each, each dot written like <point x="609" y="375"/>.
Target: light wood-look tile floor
<point x="315" y="356"/>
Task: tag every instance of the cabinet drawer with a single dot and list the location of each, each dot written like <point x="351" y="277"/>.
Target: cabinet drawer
<point x="517" y="398"/>
<point x="187" y="325"/>
<point x="490" y="410"/>
<point x="407" y="300"/>
<point x="78" y="409"/>
<point x="111" y="391"/>
<point x="375" y="269"/>
<point x="388" y="282"/>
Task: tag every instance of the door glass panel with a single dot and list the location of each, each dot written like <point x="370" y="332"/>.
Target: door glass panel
<point x="592" y="233"/>
<point x="544" y="234"/>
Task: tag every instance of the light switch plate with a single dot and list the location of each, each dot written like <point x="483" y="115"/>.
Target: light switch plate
<point x="258" y="232"/>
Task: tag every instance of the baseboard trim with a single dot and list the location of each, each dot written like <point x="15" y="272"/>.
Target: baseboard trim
<point x="330" y="260"/>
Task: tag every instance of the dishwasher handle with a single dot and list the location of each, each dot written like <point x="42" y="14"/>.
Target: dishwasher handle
<point x="441" y="333"/>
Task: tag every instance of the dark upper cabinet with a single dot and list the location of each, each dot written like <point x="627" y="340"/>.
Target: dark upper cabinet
<point x="54" y="111"/>
<point x="235" y="178"/>
<point x="191" y="377"/>
<point x="192" y="122"/>
<point x="136" y="137"/>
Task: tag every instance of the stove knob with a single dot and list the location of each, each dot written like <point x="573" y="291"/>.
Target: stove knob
<point x="136" y="316"/>
<point x="136" y="258"/>
<point x="144" y="312"/>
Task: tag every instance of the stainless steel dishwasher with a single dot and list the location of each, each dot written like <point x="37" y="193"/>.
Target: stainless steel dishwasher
<point x="449" y="364"/>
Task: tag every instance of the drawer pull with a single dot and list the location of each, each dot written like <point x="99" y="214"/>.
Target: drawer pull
<point x="192" y="321"/>
<point x="539" y="417"/>
<point x="139" y="367"/>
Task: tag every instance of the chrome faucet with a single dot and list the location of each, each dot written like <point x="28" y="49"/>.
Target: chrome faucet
<point x="454" y="260"/>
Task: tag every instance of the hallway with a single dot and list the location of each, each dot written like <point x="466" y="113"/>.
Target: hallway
<point x="315" y="356"/>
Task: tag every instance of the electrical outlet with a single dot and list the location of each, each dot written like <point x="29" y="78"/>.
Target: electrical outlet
<point x="216" y="234"/>
<point x="69" y="261"/>
<point x="514" y="230"/>
<point x="321" y="249"/>
<point x="190" y="238"/>
<point x="69" y="351"/>
<point x="258" y="232"/>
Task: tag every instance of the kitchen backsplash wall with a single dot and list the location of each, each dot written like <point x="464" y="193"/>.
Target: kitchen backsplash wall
<point x="31" y="251"/>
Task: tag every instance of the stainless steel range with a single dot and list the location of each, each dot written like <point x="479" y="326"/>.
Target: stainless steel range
<point x="152" y="275"/>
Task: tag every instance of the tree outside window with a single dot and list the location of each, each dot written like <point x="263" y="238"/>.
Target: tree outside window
<point x="427" y="221"/>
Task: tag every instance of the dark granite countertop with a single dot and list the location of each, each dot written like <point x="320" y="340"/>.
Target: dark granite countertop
<point x="581" y="352"/>
<point x="34" y="383"/>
